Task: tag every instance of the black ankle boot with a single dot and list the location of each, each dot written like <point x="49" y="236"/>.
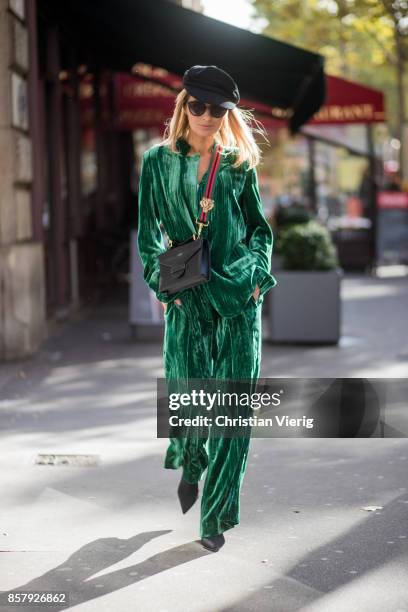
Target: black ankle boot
<point x="213" y="543"/>
<point x="187" y="493"/>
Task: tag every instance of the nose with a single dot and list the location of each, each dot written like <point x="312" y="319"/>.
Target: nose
<point x="207" y="110"/>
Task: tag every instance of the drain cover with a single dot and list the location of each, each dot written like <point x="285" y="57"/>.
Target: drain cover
<point x="68" y="460"/>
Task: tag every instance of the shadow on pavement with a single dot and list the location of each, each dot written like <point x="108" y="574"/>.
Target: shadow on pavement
<point x="73" y="576"/>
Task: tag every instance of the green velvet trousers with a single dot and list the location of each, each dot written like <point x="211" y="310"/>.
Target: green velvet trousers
<point x="199" y="343"/>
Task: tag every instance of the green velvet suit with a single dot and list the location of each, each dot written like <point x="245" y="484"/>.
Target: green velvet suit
<point x="217" y="331"/>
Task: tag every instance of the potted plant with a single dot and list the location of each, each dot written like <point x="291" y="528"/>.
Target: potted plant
<point x="285" y="217"/>
<point x="305" y="306"/>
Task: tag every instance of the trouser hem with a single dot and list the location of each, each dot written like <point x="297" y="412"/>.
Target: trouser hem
<point x="224" y="526"/>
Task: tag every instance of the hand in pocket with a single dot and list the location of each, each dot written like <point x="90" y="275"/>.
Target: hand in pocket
<point x="255" y="294"/>
<point x="177" y="301"/>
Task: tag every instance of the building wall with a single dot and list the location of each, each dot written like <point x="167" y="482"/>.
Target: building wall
<point x="22" y="304"/>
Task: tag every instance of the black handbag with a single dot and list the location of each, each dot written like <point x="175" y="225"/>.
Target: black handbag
<point x="188" y="263"/>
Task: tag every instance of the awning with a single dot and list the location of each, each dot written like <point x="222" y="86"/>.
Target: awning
<point x="351" y="102"/>
<point x="116" y="34"/>
<point x="146" y="100"/>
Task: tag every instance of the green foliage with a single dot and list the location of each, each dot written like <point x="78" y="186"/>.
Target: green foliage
<point x="296" y="213"/>
<point x="307" y="246"/>
<point x="286" y="216"/>
<point x="358" y="38"/>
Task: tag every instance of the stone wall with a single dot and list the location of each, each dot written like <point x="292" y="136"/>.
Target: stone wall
<point x="22" y="281"/>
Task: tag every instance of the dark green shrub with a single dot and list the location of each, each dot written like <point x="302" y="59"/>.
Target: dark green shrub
<point x="288" y="215"/>
<point x="307" y="246"/>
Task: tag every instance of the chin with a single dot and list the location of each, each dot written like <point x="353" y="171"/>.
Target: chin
<point x="204" y="132"/>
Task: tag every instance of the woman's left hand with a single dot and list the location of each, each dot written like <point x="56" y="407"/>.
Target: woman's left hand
<point x="255" y="294"/>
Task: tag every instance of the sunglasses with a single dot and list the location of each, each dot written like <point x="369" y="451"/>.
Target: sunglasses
<point x="197" y="109"/>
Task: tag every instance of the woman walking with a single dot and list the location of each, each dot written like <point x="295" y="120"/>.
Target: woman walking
<point x="212" y="330"/>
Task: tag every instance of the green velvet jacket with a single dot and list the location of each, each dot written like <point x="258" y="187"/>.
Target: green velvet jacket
<point x="241" y="239"/>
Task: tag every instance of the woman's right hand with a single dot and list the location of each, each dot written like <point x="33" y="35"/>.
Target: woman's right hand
<point x="177" y="301"/>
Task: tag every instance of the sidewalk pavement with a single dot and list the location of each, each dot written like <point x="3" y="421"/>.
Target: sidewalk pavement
<point x="111" y="534"/>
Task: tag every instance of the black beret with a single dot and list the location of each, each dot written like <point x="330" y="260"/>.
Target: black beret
<point x="212" y="85"/>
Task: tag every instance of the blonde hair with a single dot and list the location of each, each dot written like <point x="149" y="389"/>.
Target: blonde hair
<point x="235" y="131"/>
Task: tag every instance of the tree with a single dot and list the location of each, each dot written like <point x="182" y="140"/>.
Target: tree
<point x="364" y="40"/>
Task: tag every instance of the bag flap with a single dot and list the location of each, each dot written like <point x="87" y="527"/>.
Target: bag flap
<point x="181" y="254"/>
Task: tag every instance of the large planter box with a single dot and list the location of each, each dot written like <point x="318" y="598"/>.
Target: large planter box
<point x="305" y="306"/>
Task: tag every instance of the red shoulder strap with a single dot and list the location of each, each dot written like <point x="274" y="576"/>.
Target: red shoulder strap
<point x="213" y="172"/>
<point x="211" y="178"/>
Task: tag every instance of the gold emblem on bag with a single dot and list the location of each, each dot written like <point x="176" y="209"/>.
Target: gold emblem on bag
<point x="207" y="204"/>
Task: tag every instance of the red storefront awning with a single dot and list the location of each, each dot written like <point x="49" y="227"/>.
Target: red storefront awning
<point x="350" y="102"/>
<point x="147" y="101"/>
